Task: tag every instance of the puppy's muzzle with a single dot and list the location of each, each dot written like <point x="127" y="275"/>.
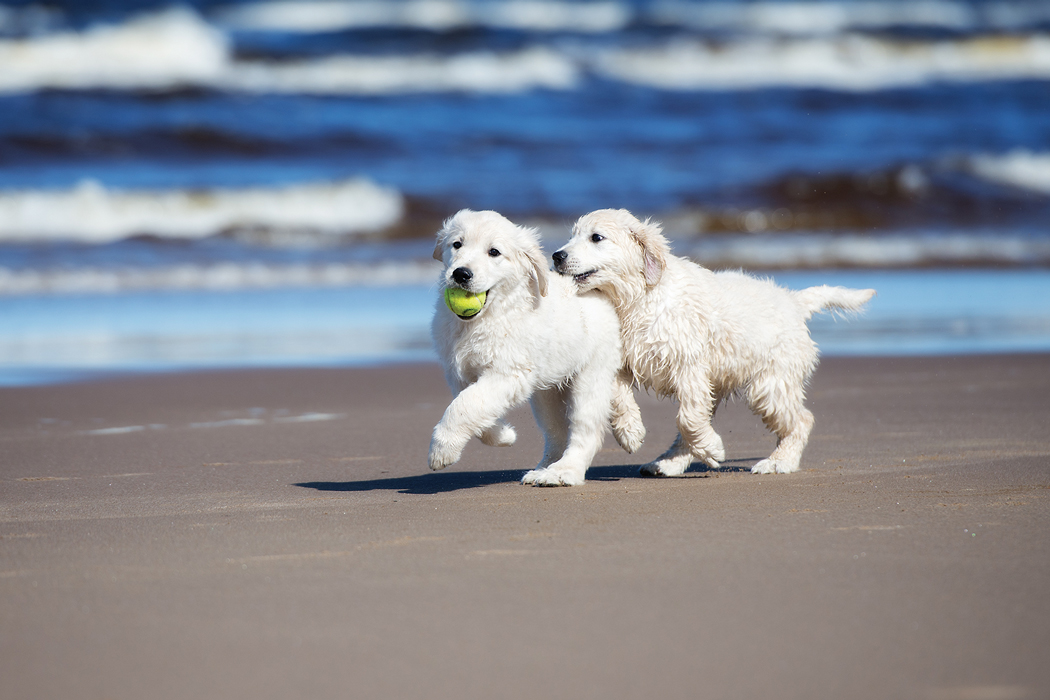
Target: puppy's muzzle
<point x="560" y="256"/>
<point x="462" y="275"/>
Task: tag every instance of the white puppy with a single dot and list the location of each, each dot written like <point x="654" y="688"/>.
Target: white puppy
<point x="534" y="337"/>
<point x="700" y="335"/>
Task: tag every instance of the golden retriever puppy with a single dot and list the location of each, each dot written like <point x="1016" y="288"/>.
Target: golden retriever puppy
<point x="699" y="335"/>
<point x="534" y="339"/>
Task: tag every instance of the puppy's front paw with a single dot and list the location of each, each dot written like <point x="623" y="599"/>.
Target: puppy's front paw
<point x="499" y="435"/>
<point x="774" y="466"/>
<point x="551" y="477"/>
<point x="442" y="455"/>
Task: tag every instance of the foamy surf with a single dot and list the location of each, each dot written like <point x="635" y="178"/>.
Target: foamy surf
<point x="487" y="72"/>
<point x="178" y="49"/>
<point x="853" y="63"/>
<point x="809" y="18"/>
<point x="432" y="15"/>
<point x="92" y="213"/>
<point x="1020" y="168"/>
<point x="887" y="251"/>
<point x="783" y="18"/>
<point x="156" y="51"/>
<point x="216" y="277"/>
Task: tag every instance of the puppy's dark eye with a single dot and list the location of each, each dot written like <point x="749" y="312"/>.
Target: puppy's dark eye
<point x="493" y="253"/>
<point x="597" y="237"/>
<point x="457" y="245"/>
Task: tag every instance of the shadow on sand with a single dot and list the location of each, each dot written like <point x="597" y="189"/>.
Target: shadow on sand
<point x="446" y="481"/>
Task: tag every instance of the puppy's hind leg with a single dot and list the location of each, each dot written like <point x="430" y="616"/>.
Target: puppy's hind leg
<point x="627" y="426"/>
<point x="696" y="438"/>
<point x="550" y="407"/>
<point x="674" y="461"/>
<point x="783" y="413"/>
<point x="589" y="403"/>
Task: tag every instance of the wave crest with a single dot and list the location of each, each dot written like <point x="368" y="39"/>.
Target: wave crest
<point x="432" y="15"/>
<point x="848" y="63"/>
<point x="91" y="213"/>
<point x="1020" y="168"/>
<point x="177" y="49"/>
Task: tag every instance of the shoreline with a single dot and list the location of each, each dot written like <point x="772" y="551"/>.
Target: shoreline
<point x="269" y="533"/>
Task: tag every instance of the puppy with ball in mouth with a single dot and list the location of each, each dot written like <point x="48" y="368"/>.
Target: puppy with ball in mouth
<point x="507" y="331"/>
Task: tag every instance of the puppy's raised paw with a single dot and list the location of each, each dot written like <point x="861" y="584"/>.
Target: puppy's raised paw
<point x="441" y="455"/>
<point x="629" y="435"/>
<point x="499" y="435"/>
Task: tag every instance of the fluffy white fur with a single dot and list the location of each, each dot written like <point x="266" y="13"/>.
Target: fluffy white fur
<point x="700" y="335"/>
<point x="536" y="338"/>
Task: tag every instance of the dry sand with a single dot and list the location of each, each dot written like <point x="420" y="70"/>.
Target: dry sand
<point x="278" y="535"/>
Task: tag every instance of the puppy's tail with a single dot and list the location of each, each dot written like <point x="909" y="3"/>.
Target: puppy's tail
<point x="843" y="299"/>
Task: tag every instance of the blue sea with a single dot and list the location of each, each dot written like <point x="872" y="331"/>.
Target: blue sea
<point x="254" y="184"/>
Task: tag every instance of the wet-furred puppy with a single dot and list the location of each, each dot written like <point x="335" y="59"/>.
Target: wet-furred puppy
<point x="533" y="339"/>
<point x="700" y="336"/>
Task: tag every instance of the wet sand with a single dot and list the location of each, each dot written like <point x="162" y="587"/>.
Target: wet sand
<point x="277" y="534"/>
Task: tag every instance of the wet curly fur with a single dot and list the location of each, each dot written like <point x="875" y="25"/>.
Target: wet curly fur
<point x="700" y="336"/>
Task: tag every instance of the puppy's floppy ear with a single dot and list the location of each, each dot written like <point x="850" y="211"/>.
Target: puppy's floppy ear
<point x="439" y="247"/>
<point x="538" y="263"/>
<point x="654" y="249"/>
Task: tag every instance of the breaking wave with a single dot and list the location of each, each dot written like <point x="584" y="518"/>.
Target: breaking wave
<point x="783" y="18"/>
<point x="156" y="51"/>
<point x="178" y="49"/>
<point x="488" y="72"/>
<point x="215" y="277"/>
<point x="854" y="62"/>
<point x="817" y="251"/>
<point x="432" y="15"/>
<point x="1020" y="168"/>
<point x="91" y="213"/>
<point x="809" y="18"/>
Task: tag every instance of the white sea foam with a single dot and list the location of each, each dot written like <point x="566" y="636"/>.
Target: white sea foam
<point x="92" y="213"/>
<point x="214" y="277"/>
<point x="1019" y="168"/>
<point x="488" y="72"/>
<point x="157" y="51"/>
<point x="177" y="48"/>
<point x="847" y="63"/>
<point x="809" y="18"/>
<point x="787" y="251"/>
<point x="434" y="15"/>
<point x="784" y="18"/>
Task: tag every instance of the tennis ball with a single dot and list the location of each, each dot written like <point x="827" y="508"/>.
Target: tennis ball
<point x="462" y="302"/>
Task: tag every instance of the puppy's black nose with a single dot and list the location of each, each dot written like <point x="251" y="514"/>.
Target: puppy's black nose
<point x="559" y="256"/>
<point x="462" y="275"/>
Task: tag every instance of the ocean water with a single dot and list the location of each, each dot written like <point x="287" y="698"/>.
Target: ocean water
<point x="220" y="183"/>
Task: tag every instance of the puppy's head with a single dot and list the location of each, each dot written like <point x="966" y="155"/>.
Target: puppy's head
<point x="484" y="252"/>
<point x="612" y="251"/>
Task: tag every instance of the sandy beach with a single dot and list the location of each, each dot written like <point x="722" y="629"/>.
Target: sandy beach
<point x="277" y="534"/>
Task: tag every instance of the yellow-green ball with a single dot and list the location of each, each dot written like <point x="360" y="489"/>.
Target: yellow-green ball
<point x="462" y="302"/>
